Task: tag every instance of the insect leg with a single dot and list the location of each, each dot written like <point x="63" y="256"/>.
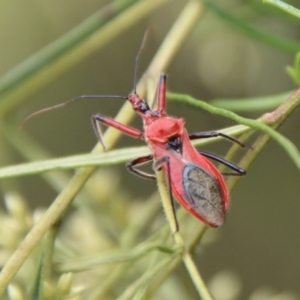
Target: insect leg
<point x="157" y="165"/>
<point x="97" y="119"/>
<point x="208" y="134"/>
<point x="162" y="91"/>
<point x="139" y="161"/>
<point x="239" y="171"/>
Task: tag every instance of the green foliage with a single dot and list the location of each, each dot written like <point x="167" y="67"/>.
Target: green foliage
<point x="294" y="71"/>
<point x="112" y="244"/>
<point x="285" y="7"/>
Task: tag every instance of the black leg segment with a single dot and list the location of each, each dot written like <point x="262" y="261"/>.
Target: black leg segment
<point x="209" y="134"/>
<point x="140" y="161"/>
<point x="239" y="171"/>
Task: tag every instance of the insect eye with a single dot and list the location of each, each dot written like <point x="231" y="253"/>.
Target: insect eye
<point x="143" y="107"/>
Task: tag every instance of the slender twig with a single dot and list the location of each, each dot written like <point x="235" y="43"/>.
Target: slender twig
<point x="186" y="257"/>
<point x="53" y="61"/>
<point x="285" y="7"/>
<point x="286" y="144"/>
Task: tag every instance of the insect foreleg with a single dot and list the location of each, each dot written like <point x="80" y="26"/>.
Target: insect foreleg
<point x="97" y="119"/>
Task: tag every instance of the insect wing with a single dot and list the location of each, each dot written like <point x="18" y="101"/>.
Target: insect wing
<point x="204" y="195"/>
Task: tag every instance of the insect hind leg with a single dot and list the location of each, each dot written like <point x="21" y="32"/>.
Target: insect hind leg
<point x="238" y="171"/>
<point x="209" y="134"/>
<point x="139" y="161"/>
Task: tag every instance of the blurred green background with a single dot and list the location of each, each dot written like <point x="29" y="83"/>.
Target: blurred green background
<point x="260" y="240"/>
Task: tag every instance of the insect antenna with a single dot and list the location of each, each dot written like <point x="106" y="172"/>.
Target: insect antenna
<point x="137" y="59"/>
<point x="44" y="110"/>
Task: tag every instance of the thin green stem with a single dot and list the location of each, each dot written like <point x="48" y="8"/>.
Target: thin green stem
<point x="138" y="224"/>
<point x="61" y="46"/>
<point x="111" y="157"/>
<point x="251" y="104"/>
<point x="72" y="162"/>
<point x="44" y="274"/>
<point x="191" y="242"/>
<point x="53" y="61"/>
<point x="275" y="119"/>
<point x="285" y="7"/>
<point x="258" y="34"/>
<point x="31" y="150"/>
<point x="145" y="278"/>
<point x="120" y="256"/>
<point x="286" y="144"/>
<point x="249" y="157"/>
<point x="186" y="257"/>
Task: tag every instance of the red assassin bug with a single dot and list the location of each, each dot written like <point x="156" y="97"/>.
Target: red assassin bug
<point x="194" y="181"/>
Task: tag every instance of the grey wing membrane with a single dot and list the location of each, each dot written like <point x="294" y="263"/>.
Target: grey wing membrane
<point x="204" y="193"/>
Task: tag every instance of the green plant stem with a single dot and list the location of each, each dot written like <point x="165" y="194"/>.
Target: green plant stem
<point x="33" y="151"/>
<point x="264" y="37"/>
<point x="94" y="159"/>
<point x="190" y="243"/>
<point x="141" y="222"/>
<point x="44" y="274"/>
<point x="251" y="104"/>
<point x="286" y="144"/>
<point x="72" y="162"/>
<point x="249" y="157"/>
<point x="53" y="61"/>
<point x="171" y="44"/>
<point x="186" y="257"/>
<point x="145" y="278"/>
<point x="285" y="7"/>
<point x="274" y="119"/>
<point x="81" y="264"/>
